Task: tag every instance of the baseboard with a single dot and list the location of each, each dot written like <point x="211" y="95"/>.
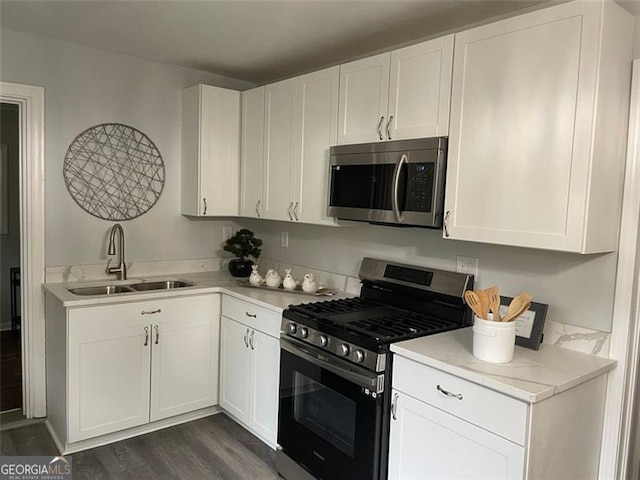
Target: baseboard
<point x="131" y="432"/>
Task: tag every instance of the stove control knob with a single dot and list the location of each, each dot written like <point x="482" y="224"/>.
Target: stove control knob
<point x="291" y="328"/>
<point x="323" y="340"/>
<point x="303" y="332"/>
<point x="358" y="356"/>
<point x="343" y="350"/>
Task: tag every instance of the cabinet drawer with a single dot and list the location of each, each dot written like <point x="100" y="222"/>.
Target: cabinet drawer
<point x="259" y="318"/>
<point x="485" y="408"/>
<point x="121" y="315"/>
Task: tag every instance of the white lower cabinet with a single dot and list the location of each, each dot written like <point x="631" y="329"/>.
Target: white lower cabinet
<point x="429" y="443"/>
<point x="444" y="426"/>
<point x="135" y="363"/>
<point x="249" y="367"/>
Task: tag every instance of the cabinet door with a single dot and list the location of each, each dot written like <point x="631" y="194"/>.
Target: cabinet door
<point x="234" y="368"/>
<point x="210" y="151"/>
<point x="364" y="92"/>
<point x="521" y="113"/>
<point x="109" y="373"/>
<point x="184" y="366"/>
<point x="279" y="147"/>
<point x="264" y="381"/>
<point x="420" y="90"/>
<point x="427" y="443"/>
<point x="252" y="152"/>
<point x="319" y="130"/>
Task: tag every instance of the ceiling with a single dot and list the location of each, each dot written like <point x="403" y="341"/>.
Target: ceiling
<point x="256" y="41"/>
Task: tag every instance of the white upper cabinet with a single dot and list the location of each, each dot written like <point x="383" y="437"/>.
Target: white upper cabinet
<point x="287" y="130"/>
<point x="539" y="113"/>
<point x="318" y="129"/>
<point x="397" y="95"/>
<point x="210" y="151"/>
<point x="252" y="153"/>
<point x="281" y="100"/>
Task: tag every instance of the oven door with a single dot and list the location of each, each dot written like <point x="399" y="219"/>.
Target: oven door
<point x="331" y="414"/>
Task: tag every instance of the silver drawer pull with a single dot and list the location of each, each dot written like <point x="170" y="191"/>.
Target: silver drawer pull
<point x="252" y="315"/>
<point x="394" y="406"/>
<point x="151" y="312"/>
<point x="449" y="394"/>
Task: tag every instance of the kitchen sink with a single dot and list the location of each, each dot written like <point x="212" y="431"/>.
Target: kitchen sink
<point x="131" y="287"/>
<point x="101" y="290"/>
<point x="162" y="285"/>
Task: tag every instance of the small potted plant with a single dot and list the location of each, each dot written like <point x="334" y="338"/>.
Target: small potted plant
<point x="243" y="245"/>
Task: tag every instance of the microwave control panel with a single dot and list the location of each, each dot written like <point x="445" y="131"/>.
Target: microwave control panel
<point x="419" y="193"/>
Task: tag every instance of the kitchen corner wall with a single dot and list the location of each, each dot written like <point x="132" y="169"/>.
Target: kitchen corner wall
<point x="579" y="289"/>
<point x="84" y="87"/>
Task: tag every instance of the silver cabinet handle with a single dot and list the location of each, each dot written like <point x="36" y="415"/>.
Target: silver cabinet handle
<point x="257" y="209"/>
<point x="394" y="406"/>
<point x="289" y="211"/>
<point x="251" y="339"/>
<point x="396" y="180"/>
<point x="446" y="223"/>
<point x="252" y="315"/>
<point x="155" y="327"/>
<point x="388" y="127"/>
<point x="380" y="128"/>
<point x="295" y="211"/>
<point x="449" y="394"/>
<point x="150" y="312"/>
<point x="246" y="335"/>
<point x="204" y="203"/>
<point x="146" y="336"/>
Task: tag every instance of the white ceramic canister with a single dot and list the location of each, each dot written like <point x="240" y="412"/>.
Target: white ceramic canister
<point x="493" y="341"/>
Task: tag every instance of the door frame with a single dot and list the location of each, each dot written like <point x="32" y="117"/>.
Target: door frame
<point x="30" y="101"/>
<point x="625" y="334"/>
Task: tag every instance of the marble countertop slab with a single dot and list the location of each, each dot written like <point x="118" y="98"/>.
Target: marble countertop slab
<point x="531" y="376"/>
<point x="205" y="282"/>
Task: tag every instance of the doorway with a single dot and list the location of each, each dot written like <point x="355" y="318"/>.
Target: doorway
<point x="10" y="315"/>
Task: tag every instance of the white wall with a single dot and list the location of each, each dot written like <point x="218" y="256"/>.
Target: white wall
<point x="578" y="288"/>
<point x="84" y="87"/>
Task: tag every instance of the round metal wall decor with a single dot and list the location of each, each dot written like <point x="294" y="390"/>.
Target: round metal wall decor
<point x="114" y="172"/>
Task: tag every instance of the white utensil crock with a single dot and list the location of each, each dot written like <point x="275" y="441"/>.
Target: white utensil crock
<point x="493" y="341"/>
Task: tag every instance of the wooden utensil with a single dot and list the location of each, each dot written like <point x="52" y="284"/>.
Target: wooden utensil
<point x="484" y="303"/>
<point x="474" y="303"/>
<point x="517" y="307"/>
<point x="494" y="302"/>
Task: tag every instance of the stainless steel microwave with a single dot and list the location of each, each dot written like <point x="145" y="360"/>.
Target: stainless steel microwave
<point x="398" y="183"/>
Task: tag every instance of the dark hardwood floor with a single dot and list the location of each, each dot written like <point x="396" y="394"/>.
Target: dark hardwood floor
<point x="210" y="448"/>
<point x="10" y="370"/>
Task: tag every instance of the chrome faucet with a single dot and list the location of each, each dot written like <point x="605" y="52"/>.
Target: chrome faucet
<point x="121" y="269"/>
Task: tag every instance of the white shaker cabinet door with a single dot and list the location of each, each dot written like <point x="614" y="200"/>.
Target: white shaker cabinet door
<point x="526" y="166"/>
<point x="420" y="90"/>
<point x="319" y="129"/>
<point x="185" y="359"/>
<point x="279" y="148"/>
<point x="427" y="443"/>
<point x="252" y="153"/>
<point x="364" y="93"/>
<point x="108" y="378"/>
<point x="264" y="377"/>
<point x="234" y="368"/>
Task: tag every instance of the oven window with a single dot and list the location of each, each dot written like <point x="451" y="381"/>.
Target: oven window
<point x="325" y="412"/>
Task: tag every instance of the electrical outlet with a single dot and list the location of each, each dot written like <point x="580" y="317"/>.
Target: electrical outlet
<point x="468" y="265"/>
<point x="227" y="232"/>
<point x="284" y="239"/>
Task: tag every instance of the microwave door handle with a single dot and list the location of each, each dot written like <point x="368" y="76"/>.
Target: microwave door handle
<point x="394" y="194"/>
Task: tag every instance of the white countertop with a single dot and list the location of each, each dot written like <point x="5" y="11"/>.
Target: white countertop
<point x="205" y="282"/>
<point x="531" y="376"/>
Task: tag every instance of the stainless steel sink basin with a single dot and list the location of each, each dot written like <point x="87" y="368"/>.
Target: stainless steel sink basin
<point x="102" y="290"/>
<point x="162" y="285"/>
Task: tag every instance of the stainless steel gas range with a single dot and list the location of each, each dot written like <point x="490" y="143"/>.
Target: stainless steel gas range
<point x="335" y="367"/>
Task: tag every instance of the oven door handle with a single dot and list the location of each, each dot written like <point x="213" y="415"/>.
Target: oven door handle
<point x="361" y="377"/>
<point x="394" y="195"/>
